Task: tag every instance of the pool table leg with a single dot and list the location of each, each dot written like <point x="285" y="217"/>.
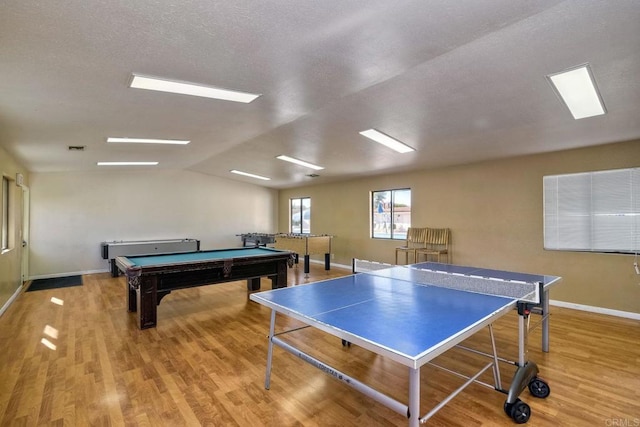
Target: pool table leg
<point x="147" y="299"/>
<point x="280" y="280"/>
<point x="115" y="272"/>
<point x="132" y="299"/>
<point x="253" y="284"/>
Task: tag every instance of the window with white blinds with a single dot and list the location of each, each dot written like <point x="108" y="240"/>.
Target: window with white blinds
<point x="593" y="211"/>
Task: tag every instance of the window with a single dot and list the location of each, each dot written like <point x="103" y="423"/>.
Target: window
<point x="300" y="213"/>
<point x="5" y="214"/>
<point x="391" y="213"/>
<point x="593" y="211"/>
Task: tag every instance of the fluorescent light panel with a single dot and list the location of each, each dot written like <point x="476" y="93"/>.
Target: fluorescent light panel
<point x="147" y="141"/>
<point x="387" y="141"/>
<point x="194" y="89"/>
<point x="299" y="162"/>
<point x="250" y="175"/>
<point x="127" y="163"/>
<point x="577" y="89"/>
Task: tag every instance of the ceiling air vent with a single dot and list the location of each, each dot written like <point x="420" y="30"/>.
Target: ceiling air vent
<point x="76" y="148"/>
<point x="313" y="175"/>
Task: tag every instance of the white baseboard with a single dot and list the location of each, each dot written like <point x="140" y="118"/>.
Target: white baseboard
<point x="598" y="310"/>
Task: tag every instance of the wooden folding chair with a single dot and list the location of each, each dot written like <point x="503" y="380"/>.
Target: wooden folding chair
<point x="415" y="240"/>
<point x="437" y="245"/>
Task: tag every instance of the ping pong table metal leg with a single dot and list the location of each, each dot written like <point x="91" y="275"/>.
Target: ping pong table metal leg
<point x="545" y="321"/>
<point x="414" y="397"/>
<point x="496" y="366"/>
<point x="272" y="329"/>
<point x="523" y="339"/>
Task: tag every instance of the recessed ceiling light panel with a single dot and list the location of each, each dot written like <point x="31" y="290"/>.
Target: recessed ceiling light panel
<point x="250" y="175"/>
<point x="127" y="163"/>
<point x="194" y="89"/>
<point x="147" y="141"/>
<point x="577" y="89"/>
<point x="386" y="140"/>
<point x="299" y="162"/>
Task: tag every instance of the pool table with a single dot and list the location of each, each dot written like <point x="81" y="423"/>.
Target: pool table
<point x="152" y="277"/>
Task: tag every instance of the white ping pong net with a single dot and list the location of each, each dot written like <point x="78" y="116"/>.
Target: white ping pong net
<point x="515" y="289"/>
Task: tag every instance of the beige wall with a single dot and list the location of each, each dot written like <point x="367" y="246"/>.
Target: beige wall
<point x="495" y="212"/>
<point x="10" y="261"/>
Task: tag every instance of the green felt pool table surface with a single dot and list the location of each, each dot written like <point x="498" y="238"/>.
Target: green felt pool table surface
<point x="188" y="257"/>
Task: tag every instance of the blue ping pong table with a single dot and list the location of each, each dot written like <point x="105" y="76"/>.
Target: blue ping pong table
<point x="397" y="313"/>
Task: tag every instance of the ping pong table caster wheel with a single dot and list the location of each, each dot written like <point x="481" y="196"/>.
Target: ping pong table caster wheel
<point x="518" y="411"/>
<point x="539" y="388"/>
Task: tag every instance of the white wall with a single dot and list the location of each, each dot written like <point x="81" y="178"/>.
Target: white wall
<point x="71" y="213"/>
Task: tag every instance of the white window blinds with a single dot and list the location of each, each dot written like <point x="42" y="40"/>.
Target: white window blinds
<point x="593" y="211"/>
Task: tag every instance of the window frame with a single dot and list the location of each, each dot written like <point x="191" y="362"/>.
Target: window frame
<point x="395" y="232"/>
<point x="304" y="204"/>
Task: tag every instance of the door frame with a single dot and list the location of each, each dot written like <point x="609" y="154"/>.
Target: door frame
<point x="24" y="252"/>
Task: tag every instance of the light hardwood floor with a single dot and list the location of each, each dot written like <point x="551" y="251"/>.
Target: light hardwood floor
<point x="205" y="362"/>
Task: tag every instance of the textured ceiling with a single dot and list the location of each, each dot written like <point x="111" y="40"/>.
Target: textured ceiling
<point x="459" y="81"/>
